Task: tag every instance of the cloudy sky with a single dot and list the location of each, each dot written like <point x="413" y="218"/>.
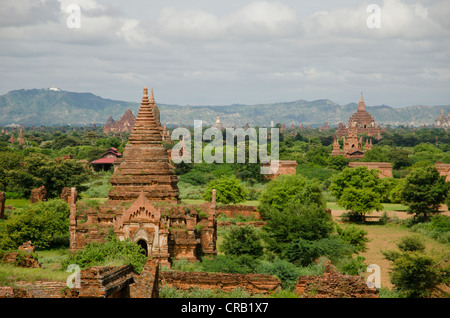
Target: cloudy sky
<point x="217" y="52"/>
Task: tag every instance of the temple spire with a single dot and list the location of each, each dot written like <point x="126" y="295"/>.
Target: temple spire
<point x="152" y="99"/>
<point x="361" y="105"/>
<point x="145" y="97"/>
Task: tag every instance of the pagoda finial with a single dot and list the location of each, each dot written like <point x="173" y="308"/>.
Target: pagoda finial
<point x="152" y="99"/>
<point x="361" y="105"/>
<point x="145" y="96"/>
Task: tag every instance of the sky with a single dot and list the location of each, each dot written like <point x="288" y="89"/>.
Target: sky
<point x="211" y="52"/>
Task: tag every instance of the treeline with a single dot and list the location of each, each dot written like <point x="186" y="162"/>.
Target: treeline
<point x="40" y="159"/>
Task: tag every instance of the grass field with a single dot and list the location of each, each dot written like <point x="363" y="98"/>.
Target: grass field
<point x="17" y="203"/>
<point x="384" y="238"/>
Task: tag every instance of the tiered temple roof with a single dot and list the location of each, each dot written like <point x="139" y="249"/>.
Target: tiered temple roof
<point x="124" y="124"/>
<point x="362" y="120"/>
<point x="145" y="165"/>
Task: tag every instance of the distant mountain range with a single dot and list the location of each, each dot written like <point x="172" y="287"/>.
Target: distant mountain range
<point x="52" y="107"/>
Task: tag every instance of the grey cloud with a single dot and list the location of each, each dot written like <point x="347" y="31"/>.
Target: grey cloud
<point x="252" y="52"/>
<point x="27" y="12"/>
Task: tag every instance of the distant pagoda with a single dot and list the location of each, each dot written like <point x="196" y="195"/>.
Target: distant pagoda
<point x="145" y="165"/>
<point x="124" y="124"/>
<point x="362" y="120"/>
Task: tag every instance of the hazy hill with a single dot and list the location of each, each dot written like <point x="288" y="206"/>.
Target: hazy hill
<point x="47" y="107"/>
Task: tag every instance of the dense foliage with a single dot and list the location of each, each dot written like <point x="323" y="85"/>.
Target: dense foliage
<point x="112" y="252"/>
<point x="414" y="273"/>
<point x="45" y="224"/>
<point x="288" y="189"/>
<point x="424" y="191"/>
<point x="228" y="190"/>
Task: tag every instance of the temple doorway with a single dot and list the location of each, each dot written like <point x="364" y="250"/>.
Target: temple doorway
<point x="143" y="244"/>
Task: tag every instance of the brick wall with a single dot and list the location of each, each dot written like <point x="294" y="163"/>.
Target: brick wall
<point x="37" y="289"/>
<point x="334" y="285"/>
<point x="253" y="283"/>
<point x="232" y="211"/>
<point x="2" y="204"/>
<point x="385" y="168"/>
<point x="444" y="170"/>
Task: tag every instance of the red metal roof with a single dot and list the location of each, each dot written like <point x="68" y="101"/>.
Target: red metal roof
<point x="103" y="161"/>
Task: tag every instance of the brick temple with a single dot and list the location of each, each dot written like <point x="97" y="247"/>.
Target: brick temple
<point x="124" y="124"/>
<point x="143" y="204"/>
<point x="361" y="122"/>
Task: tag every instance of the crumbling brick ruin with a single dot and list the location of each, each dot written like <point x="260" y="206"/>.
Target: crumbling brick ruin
<point x="334" y="285"/>
<point x="384" y="168"/>
<point x="24" y="257"/>
<point x="246" y="211"/>
<point x="444" y="170"/>
<point x="143" y="203"/>
<point x="123" y="282"/>
<point x="38" y="194"/>
<point x="280" y="167"/>
<point x="65" y="194"/>
<point x="2" y="204"/>
<point x="255" y="284"/>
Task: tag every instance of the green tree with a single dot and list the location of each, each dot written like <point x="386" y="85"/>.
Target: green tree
<point x="228" y="190"/>
<point x="46" y="224"/>
<point x="287" y="189"/>
<point x="338" y="162"/>
<point x="358" y="178"/>
<point x="360" y="201"/>
<point x="296" y="221"/>
<point x="413" y="273"/>
<point x="64" y="141"/>
<point x="242" y="241"/>
<point x="354" y="236"/>
<point x="424" y="191"/>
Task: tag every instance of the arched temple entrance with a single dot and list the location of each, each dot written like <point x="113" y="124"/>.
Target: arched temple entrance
<point x="144" y="246"/>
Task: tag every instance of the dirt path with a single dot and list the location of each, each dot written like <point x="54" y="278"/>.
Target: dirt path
<point x="384" y="237"/>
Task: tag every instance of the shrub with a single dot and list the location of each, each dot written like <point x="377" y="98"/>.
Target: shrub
<point x="46" y="224"/>
<point x="354" y="236"/>
<point x="438" y="228"/>
<point x="413" y="273"/>
<point x="287" y="272"/>
<point x="293" y="223"/>
<point x="411" y="244"/>
<point x="242" y="240"/>
<point x="112" y="252"/>
<point x="242" y="264"/>
<point x="352" y="266"/>
<point x="228" y="190"/>
<point x="289" y="189"/>
<point x="304" y="252"/>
